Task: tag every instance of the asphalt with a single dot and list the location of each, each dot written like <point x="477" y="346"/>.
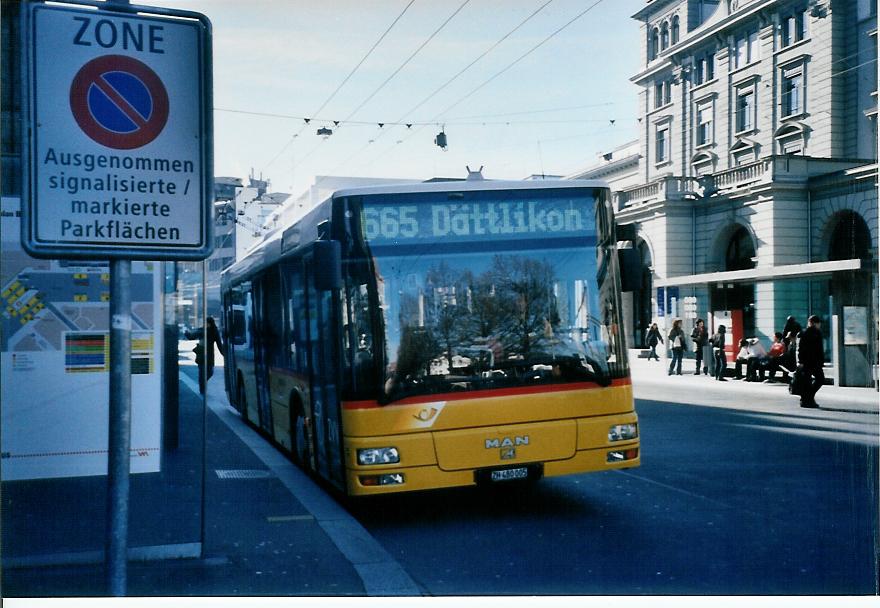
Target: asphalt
<point x="266" y="529"/>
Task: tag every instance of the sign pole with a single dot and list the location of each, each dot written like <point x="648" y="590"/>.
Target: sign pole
<point x="119" y="429"/>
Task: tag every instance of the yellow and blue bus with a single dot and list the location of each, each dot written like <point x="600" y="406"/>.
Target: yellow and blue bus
<point x="433" y="335"/>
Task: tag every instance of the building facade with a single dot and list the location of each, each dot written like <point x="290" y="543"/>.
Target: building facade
<point x="756" y="195"/>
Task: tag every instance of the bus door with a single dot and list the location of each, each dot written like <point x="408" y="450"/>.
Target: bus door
<point x="321" y="341"/>
<point x="265" y="290"/>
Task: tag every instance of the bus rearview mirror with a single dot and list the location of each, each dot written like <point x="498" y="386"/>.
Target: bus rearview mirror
<point x="328" y="265"/>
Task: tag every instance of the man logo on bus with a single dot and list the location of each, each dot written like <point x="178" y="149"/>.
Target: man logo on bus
<point x="507" y="442"/>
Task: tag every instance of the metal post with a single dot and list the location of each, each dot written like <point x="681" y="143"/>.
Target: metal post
<point x="119" y="429"/>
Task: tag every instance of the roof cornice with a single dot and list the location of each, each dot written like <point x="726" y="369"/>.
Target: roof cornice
<point x="652" y="7"/>
<point x="672" y="57"/>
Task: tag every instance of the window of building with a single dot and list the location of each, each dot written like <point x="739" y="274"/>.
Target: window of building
<point x="865" y="9"/>
<point x="661" y="141"/>
<point x="746" y="49"/>
<point x="675" y="30"/>
<point x="793" y="91"/>
<point x="10" y="101"/>
<point x="790" y="139"/>
<point x="662" y="93"/>
<point x="703" y="163"/>
<point x="654" y="44"/>
<point x="704" y="124"/>
<point x="664" y="36"/>
<point x="745" y="110"/>
<point x="705" y="9"/>
<point x="743" y="152"/>
<point x="794" y="28"/>
<point x="740" y="254"/>
<point x="704" y="68"/>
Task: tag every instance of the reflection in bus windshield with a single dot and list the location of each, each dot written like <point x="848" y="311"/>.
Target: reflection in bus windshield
<point x="465" y="322"/>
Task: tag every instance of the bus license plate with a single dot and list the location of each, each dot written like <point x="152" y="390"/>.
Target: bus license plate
<point x="509" y="474"/>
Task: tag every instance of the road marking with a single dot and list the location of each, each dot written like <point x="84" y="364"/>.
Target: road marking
<point x="280" y="519"/>
<point x="701" y="497"/>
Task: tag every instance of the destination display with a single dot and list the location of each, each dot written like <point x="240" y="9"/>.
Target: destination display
<point x="387" y="223"/>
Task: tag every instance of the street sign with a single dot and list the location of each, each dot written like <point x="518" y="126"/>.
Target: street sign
<point x="119" y="147"/>
<point x="119" y="102"/>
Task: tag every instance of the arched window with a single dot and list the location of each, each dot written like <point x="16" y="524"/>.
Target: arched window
<point x="675" y="30"/>
<point x="790" y="138"/>
<point x="655" y="43"/>
<point x="664" y="36"/>
<point x="851" y="239"/>
<point x="740" y="252"/>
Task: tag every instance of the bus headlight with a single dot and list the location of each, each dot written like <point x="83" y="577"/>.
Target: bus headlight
<point x="371" y="456"/>
<point x="623" y="432"/>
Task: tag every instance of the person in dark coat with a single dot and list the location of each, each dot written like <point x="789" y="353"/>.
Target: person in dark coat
<point x="205" y="356"/>
<point x="700" y="337"/>
<point x="811" y="357"/>
<point x="718" y="351"/>
<point x="676" y="345"/>
<point x="790" y="334"/>
<point x="653" y="337"/>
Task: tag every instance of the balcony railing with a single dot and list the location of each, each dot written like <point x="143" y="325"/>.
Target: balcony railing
<point x="771" y="169"/>
<point x="663" y="189"/>
<point x="743" y="175"/>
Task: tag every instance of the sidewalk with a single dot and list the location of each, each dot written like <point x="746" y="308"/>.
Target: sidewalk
<point x="652" y="382"/>
<point x="268" y="528"/>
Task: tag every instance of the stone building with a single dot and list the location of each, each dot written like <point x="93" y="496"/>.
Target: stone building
<point x="756" y="195"/>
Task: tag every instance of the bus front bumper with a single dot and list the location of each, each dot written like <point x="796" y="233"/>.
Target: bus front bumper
<point x="365" y="482"/>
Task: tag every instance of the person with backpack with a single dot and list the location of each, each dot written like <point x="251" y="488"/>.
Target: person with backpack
<point x="717" y="343"/>
<point x="676" y="345"/>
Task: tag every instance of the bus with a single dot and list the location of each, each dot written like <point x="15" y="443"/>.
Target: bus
<point x="435" y="335"/>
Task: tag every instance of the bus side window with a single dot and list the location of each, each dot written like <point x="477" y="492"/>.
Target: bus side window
<point x="292" y="289"/>
<point x="239" y="335"/>
<point x="358" y="339"/>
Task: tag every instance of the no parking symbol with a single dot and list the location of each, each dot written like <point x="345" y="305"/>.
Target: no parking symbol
<point x="119" y="102"/>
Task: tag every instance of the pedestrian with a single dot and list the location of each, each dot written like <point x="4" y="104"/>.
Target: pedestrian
<point x="742" y="358"/>
<point x="676" y="345"/>
<point x="653" y="337"/>
<point x="811" y="357"/>
<point x="717" y="343"/>
<point x="790" y="334"/>
<point x="758" y="360"/>
<point x="205" y="356"/>
<point x="775" y="358"/>
<point x="700" y="337"/>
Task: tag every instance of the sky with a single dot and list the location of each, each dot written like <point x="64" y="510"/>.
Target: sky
<point x="446" y="66"/>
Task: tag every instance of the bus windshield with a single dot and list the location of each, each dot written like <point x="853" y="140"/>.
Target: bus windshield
<point x="493" y="289"/>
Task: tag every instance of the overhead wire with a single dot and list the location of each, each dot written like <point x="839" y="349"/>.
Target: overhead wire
<point x="534" y="48"/>
<point x="344" y="80"/>
<point x="455" y="77"/>
<point x="521" y="57"/>
<point x="408" y="59"/>
<point x="387" y="80"/>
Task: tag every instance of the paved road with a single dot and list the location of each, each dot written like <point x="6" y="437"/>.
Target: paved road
<point x="726" y="502"/>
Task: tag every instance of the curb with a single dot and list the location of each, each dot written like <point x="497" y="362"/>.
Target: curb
<point x="379" y="572"/>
